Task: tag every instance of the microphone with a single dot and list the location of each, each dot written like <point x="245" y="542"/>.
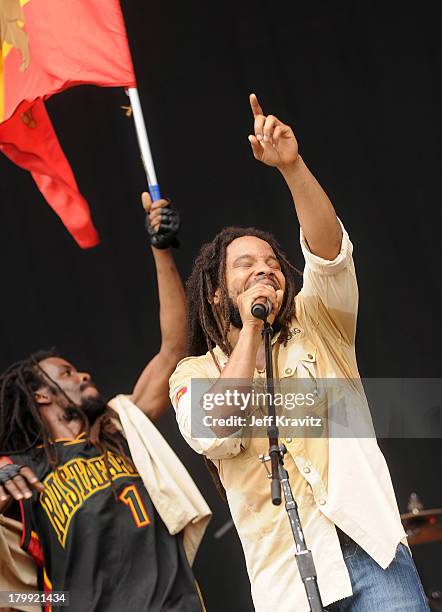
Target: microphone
<point x="260" y="310"/>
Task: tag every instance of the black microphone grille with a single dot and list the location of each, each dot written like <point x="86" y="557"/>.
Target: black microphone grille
<point x="260" y="311"/>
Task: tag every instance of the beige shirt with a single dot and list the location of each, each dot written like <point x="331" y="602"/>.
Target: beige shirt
<point x="171" y="489"/>
<point x="336" y="479"/>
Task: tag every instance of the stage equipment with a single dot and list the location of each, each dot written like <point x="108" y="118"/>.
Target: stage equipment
<point x="421" y="525"/>
<point x="279" y="476"/>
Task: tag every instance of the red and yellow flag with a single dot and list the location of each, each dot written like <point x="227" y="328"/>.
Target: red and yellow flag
<point x="47" y="46"/>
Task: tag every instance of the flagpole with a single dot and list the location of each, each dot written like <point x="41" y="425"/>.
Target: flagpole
<point x="143" y="142"/>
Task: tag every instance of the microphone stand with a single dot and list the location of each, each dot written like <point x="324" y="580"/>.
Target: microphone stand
<point x="279" y="476"/>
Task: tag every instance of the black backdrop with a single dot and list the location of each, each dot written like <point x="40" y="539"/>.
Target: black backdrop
<point x="360" y="84"/>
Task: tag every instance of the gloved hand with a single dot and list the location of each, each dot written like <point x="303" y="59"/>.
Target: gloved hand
<point x="162" y="222"/>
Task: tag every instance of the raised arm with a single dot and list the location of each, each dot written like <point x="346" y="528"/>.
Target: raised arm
<point x="274" y="144"/>
<point x="151" y="392"/>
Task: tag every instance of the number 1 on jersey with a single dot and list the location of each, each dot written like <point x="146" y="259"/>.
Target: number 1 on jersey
<point x="130" y="496"/>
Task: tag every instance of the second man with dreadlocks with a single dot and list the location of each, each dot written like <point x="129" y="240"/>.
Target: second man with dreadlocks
<point x="342" y="484"/>
<point x="110" y="515"/>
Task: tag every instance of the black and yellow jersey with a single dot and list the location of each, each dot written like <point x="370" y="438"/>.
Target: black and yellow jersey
<point x="104" y="544"/>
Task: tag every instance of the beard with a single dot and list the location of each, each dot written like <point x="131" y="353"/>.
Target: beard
<point x="235" y="317"/>
<point x="91" y="407"/>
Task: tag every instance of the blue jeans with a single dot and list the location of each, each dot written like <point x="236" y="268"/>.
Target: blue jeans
<point x="395" y="589"/>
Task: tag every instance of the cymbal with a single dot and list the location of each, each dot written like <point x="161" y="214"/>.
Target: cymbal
<point x="423" y="526"/>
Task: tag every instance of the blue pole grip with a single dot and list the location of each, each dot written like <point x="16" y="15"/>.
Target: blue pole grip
<point x="155" y="193"/>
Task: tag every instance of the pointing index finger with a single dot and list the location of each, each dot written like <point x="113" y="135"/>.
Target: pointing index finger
<point x="256" y="108"/>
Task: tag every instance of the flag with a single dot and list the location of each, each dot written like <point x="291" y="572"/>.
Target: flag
<point x="47" y="46"/>
<point x="29" y="140"/>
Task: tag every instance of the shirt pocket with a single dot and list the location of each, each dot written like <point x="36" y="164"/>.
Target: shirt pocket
<point x="297" y="370"/>
<point x="301" y="390"/>
<point x="298" y="360"/>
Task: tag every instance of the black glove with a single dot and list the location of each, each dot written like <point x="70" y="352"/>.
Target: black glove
<point x="167" y="230"/>
<point x="9" y="471"/>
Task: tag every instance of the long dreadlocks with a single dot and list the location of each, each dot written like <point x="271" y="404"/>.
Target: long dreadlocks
<point x="208" y="325"/>
<point x="22" y="429"/>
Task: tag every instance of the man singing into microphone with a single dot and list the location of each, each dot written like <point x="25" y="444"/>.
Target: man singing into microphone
<point x="343" y="488"/>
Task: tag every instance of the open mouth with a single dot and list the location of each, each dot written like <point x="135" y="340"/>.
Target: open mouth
<point x="88" y="386"/>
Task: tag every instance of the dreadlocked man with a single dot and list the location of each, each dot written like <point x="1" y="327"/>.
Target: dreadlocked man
<point x="341" y="482"/>
<point x="109" y="513"/>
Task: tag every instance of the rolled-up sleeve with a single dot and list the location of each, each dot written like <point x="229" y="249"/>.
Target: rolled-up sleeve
<point x="180" y="386"/>
<point x="330" y="292"/>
